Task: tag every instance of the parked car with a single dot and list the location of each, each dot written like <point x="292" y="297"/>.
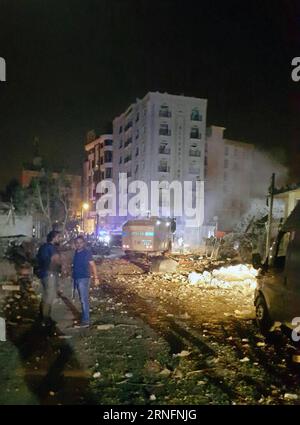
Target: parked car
<point x="277" y="296"/>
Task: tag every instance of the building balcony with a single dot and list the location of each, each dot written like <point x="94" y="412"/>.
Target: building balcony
<point x="195" y="135"/>
<point x="163" y="169"/>
<point x="196" y="117"/>
<point x="164" y="151"/>
<point x="165" y="114"/>
<point x="194" y="170"/>
<point x="164" y="132"/>
<point x="106" y="164"/>
<point x="195" y="153"/>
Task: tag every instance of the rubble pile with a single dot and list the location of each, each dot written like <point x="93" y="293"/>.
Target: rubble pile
<point x="226" y="277"/>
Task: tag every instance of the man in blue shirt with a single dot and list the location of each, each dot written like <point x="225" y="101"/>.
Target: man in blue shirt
<point x="82" y="265"/>
<point x="49" y="265"/>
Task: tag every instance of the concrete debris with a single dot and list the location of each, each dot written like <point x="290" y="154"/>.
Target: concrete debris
<point x="163" y="265"/>
<point x="245" y="360"/>
<point x="106" y="327"/>
<point x="183" y="353"/>
<point x="11" y="287"/>
<point x="2" y="330"/>
<point x="226" y="277"/>
<point x="289" y="396"/>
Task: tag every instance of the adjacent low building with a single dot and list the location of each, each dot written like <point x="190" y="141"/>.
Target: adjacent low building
<point x="228" y="172"/>
<point x="289" y="197"/>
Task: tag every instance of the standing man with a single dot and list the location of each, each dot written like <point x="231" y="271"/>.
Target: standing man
<point x="83" y="264"/>
<point x="49" y="265"/>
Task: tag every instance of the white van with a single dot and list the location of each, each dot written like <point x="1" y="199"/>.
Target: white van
<point x="277" y="296"/>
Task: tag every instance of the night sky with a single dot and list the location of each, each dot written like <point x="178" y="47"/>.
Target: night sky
<point x="73" y="65"/>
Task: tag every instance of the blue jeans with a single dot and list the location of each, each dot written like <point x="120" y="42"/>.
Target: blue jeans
<point x="83" y="288"/>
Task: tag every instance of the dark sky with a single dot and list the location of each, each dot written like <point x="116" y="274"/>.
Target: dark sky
<point x="73" y="65"/>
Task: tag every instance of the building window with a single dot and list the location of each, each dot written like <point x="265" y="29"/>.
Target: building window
<point x="137" y="151"/>
<point x="195" y="151"/>
<point x="163" y="166"/>
<point x="108" y="173"/>
<point x="120" y="160"/>
<point x="120" y="129"/>
<point x="137" y="117"/>
<point x="136" y="169"/>
<point x="128" y="125"/>
<point x="101" y="160"/>
<point x="164" y="111"/>
<point x="194" y="167"/>
<point x="195" y="133"/>
<point x="164" y="148"/>
<point x="195" y="115"/>
<point x="127" y="158"/>
<point x="164" y="130"/>
<point x="226" y="150"/>
<point x="226" y="163"/>
<point x="128" y="142"/>
<point x="108" y="142"/>
<point x="137" y="133"/>
<point x="107" y="156"/>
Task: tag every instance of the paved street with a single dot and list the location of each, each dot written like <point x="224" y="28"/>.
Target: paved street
<point x="154" y="339"/>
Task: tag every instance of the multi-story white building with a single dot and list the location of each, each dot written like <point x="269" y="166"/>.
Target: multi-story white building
<point x="161" y="138"/>
<point x="97" y="167"/>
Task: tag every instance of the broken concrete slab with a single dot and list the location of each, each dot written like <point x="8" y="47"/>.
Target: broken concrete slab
<point x="163" y="265"/>
<point x="105" y="327"/>
<point x="2" y="329"/>
<point x="10" y="287"/>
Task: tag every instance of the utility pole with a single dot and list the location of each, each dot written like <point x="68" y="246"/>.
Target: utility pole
<point x="270" y="216"/>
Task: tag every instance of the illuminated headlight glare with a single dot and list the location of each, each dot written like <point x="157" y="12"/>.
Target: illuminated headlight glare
<point x="168" y="224"/>
<point x="158" y="222"/>
<point x="106" y="238"/>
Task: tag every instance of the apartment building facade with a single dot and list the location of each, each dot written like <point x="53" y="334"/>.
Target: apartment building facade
<point x="97" y="167"/>
<point x="161" y="138"/>
<point x="228" y="178"/>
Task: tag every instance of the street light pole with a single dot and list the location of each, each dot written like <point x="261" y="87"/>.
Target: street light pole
<point x="270" y="216"/>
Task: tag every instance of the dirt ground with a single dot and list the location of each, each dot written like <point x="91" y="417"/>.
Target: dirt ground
<point x="155" y="339"/>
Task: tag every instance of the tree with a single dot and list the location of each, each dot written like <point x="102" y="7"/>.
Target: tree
<point x="47" y="195"/>
<point x="51" y="195"/>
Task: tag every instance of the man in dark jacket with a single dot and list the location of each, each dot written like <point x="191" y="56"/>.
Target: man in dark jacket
<point x="49" y="265"/>
<point x="83" y="264"/>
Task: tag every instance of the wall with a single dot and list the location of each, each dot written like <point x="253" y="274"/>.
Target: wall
<point x="22" y="225"/>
